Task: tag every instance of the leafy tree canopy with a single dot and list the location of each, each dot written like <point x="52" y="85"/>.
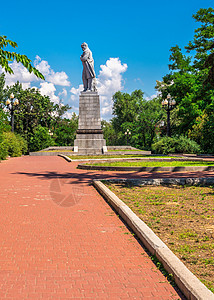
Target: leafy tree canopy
<point x="7" y="56"/>
<point x="141" y="117"/>
<point x="34" y="110"/>
<point x="191" y="78"/>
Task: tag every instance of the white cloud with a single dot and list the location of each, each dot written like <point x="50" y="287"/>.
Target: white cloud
<point x="152" y="97"/>
<point x="68" y="115"/>
<point x="29" y="80"/>
<point x="42" y="66"/>
<point x="110" y="81"/>
<point x="21" y="74"/>
<point x="64" y="93"/>
<point x="48" y="89"/>
<point x="25" y="85"/>
<point x="77" y="91"/>
<point x="106" y="110"/>
<point x="75" y="108"/>
<point x="73" y="97"/>
<point x="57" y="78"/>
<point x="110" y="77"/>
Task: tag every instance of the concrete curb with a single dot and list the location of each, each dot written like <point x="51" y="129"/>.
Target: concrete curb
<point x="127" y="159"/>
<point x="188" y="283"/>
<point x="49" y="153"/>
<point x="207" y="181"/>
<point x="108" y="154"/>
<point x="65" y="157"/>
<point x="149" y="169"/>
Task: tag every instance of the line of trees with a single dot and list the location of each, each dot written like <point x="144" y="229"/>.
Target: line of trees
<point x="38" y="120"/>
<point x="141" y="117"/>
<point x="39" y="123"/>
<point x="190" y="82"/>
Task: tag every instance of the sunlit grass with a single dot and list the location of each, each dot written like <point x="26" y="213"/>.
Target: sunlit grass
<point x="174" y="163"/>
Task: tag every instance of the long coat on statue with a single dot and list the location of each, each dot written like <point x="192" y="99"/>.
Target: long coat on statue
<point x="88" y="64"/>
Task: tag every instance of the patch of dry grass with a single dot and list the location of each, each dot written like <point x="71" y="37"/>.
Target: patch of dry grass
<point x="183" y="217"/>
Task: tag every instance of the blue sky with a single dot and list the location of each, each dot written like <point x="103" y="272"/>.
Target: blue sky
<point x="130" y="39"/>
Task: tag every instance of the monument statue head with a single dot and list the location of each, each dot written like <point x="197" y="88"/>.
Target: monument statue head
<point x="84" y="46"/>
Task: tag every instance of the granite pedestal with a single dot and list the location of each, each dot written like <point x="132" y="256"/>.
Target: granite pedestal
<point x="89" y="137"/>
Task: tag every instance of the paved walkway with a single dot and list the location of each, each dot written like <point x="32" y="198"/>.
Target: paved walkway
<point x="61" y="240"/>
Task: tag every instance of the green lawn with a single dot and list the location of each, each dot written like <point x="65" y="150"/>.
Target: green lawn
<point x="175" y="163"/>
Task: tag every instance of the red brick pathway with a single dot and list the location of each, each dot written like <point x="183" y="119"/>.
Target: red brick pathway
<point x="61" y="240"/>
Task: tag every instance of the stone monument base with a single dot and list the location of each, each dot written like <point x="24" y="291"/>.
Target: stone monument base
<point x="90" y="142"/>
<point x="89" y="137"/>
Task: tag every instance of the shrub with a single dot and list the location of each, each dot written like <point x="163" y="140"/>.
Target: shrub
<point x="180" y="144"/>
<point x="12" y="145"/>
<point x="3" y="149"/>
<point x="11" y="142"/>
<point x="23" y="143"/>
<point x="203" y="131"/>
<point x="186" y="145"/>
<point x="40" y="139"/>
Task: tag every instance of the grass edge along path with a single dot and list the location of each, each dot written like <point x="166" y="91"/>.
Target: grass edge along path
<point x="174" y="163"/>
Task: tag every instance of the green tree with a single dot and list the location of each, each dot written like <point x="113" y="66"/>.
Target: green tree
<point x="126" y="108"/>
<point x="58" y="114"/>
<point x="140" y="116"/>
<point x="203" y="43"/>
<point x="109" y="133"/>
<point x="7" y="56"/>
<point x="33" y="109"/>
<point x="40" y="139"/>
<point x="203" y="130"/>
<point x="4" y="124"/>
<point x="191" y="79"/>
<point x="2" y="84"/>
<point x="148" y="123"/>
<point x="65" y="131"/>
<point x="36" y="110"/>
<point x="186" y="89"/>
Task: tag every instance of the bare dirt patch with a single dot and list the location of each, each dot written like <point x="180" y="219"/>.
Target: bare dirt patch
<point x="183" y="217"/>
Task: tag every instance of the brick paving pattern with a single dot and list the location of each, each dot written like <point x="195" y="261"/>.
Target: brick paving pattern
<point x="61" y="240"/>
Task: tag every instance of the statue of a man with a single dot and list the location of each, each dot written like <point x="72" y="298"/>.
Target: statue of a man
<point x="88" y="74"/>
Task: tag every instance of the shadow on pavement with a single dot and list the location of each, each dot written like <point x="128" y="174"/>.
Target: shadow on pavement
<point x="87" y="177"/>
